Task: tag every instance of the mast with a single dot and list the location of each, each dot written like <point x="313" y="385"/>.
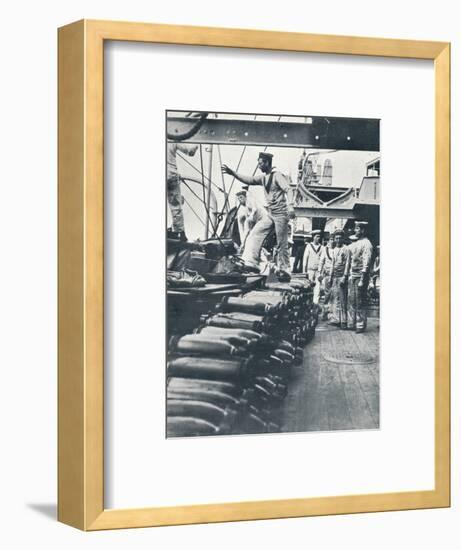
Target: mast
<point x="208" y="198"/>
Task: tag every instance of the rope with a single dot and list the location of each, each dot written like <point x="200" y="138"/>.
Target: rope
<point x="200" y="199"/>
<point x="197" y="170"/>
<point x="204" y="200"/>
<point x="222" y="175"/>
<point x="226" y="202"/>
<point x="189" y="205"/>
<point x="191" y="190"/>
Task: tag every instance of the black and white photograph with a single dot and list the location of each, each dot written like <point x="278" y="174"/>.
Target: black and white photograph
<point x="273" y="273"/>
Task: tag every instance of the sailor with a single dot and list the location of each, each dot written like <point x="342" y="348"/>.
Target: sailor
<point x="375" y="272"/>
<point x="338" y="276"/>
<point x="358" y="270"/>
<point x="248" y="216"/>
<point x="352" y="239"/>
<point x="324" y="273"/>
<point x="279" y="208"/>
<point x="311" y="261"/>
<point x="173" y="184"/>
<point x="298" y="253"/>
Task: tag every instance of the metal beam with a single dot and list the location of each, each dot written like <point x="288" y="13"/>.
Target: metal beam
<point x="324" y="213"/>
<point x="352" y="134"/>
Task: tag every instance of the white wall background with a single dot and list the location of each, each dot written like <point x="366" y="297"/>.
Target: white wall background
<point x="28" y="272"/>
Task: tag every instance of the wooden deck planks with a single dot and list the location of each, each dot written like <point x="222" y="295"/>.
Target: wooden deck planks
<point x="327" y="395"/>
<point x="370" y="390"/>
<point x="359" y="409"/>
<point x="338" y="410"/>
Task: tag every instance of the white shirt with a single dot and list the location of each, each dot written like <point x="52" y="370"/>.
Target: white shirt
<point x="311" y="256"/>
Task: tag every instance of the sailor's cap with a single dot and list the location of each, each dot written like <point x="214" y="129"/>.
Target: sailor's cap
<point x="265" y="156"/>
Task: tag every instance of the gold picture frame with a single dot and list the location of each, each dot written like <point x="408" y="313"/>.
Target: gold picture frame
<point x="81" y="269"/>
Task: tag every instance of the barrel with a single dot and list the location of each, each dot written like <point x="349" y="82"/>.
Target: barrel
<point x="286" y="357"/>
<point x="197" y="394"/>
<point x="231" y="339"/>
<point x="230" y="304"/>
<point x="276" y="389"/>
<point x="184" y="384"/>
<point x="183" y="426"/>
<point x="245" y="334"/>
<point x="202" y="345"/>
<point x="232" y="321"/>
<point x="285" y="345"/>
<point x="208" y="367"/>
<point x="223" y="418"/>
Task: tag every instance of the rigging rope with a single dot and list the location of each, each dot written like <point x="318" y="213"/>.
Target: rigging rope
<point x="197" y="170"/>
<point x="191" y="190"/>
<point x="226" y="202"/>
<point x="190" y="206"/>
<point x="204" y="200"/>
<point x="198" y="198"/>
<point x="222" y="175"/>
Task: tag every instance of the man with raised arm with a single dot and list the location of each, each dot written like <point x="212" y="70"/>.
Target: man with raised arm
<point x="276" y="187"/>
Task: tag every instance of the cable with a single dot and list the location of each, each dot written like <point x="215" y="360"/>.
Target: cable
<point x="209" y="219"/>
<point x="203" y="188"/>
<point x="199" y="198"/>
<point x="189" y="205"/>
<point x="197" y="170"/>
<point x="226" y="202"/>
<point x="191" y="190"/>
<point x="222" y="175"/>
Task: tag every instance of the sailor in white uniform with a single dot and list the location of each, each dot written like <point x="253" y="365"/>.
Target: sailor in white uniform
<point x="311" y="261"/>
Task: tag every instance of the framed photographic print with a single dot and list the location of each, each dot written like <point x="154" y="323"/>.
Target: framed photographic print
<point x="254" y="249"/>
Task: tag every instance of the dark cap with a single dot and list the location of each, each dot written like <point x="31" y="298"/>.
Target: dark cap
<point x="242" y="192"/>
<point x="266" y="156"/>
<point x="339" y="232"/>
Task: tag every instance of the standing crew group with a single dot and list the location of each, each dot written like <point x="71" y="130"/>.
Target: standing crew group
<point x="343" y="272"/>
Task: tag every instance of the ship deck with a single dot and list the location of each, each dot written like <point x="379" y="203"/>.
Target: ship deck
<point x="337" y="387"/>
